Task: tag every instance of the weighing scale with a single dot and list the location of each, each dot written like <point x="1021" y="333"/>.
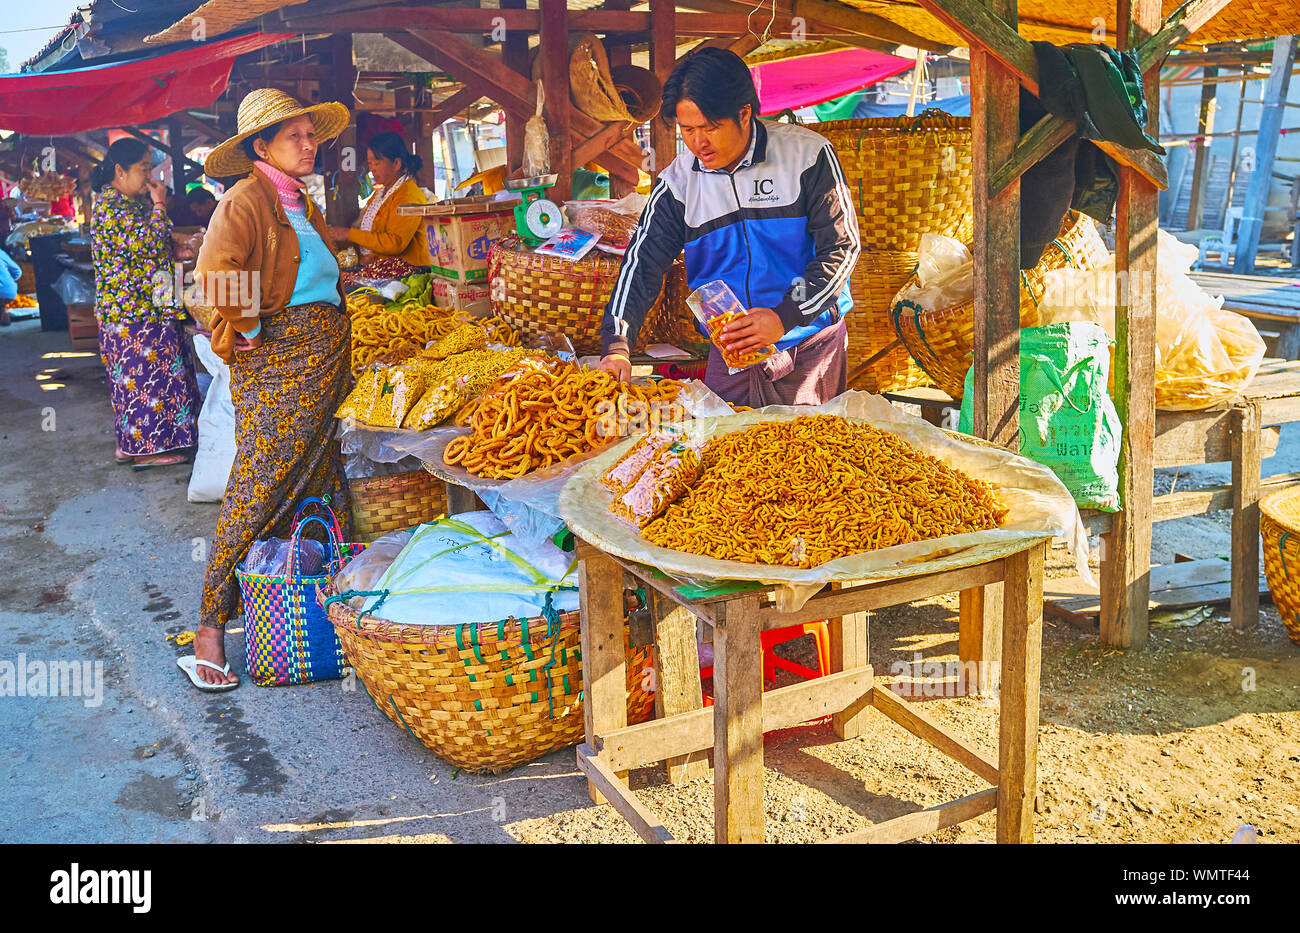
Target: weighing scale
<point x="536" y="217"/>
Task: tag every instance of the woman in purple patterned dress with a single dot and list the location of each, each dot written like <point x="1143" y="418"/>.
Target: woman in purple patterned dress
<point x="150" y="374"/>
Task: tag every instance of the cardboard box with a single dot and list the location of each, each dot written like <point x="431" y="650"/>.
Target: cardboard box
<point x="83" y="329"/>
<point x="471" y="297"/>
<point x="460" y="232"/>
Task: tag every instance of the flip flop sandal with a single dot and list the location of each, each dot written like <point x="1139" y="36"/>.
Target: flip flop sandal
<point x="140" y="467"/>
<point x="122" y="458"/>
<point x="189" y="664"/>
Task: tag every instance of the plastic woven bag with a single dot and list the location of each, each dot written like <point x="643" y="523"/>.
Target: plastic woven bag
<point x="1068" y="422"/>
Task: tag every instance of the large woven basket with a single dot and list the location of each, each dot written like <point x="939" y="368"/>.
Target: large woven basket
<point x="1279" y="526"/>
<point x="877" y="360"/>
<point x="907" y="176"/>
<point x="544" y="295"/>
<point x="381" y="504"/>
<point x="942" y="341"/>
<point x="484" y="697"/>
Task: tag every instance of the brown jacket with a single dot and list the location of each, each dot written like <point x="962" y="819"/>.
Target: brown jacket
<point x="248" y="233"/>
<point x="392" y="234"/>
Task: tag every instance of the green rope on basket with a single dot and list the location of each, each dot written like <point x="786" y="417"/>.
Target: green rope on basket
<point x="1281" y="543"/>
<point x="897" y="313"/>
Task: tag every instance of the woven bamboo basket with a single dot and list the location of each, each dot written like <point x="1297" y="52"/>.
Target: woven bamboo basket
<point x="545" y="295"/>
<point x="1279" y="526"/>
<point x="877" y="360"/>
<point x="484" y="697"/>
<point x="942" y="341"/>
<point x="907" y="176"/>
<point x="26" y="283"/>
<point x="381" y="504"/>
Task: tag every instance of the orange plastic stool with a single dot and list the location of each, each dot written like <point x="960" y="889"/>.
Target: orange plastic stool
<point x="770" y="639"/>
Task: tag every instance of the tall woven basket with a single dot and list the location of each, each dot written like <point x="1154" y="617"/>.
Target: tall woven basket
<point x="942" y="341"/>
<point x="907" y="176"/>
<point x="484" y="697"/>
<point x="543" y="295"/>
<point x="381" y="504"/>
<point x="1279" y="526"/>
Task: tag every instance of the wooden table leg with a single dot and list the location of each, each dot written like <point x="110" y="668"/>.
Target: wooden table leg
<point x="677" y="678"/>
<point x="848" y="650"/>
<point x="1022" y="642"/>
<point x="461" y="499"/>
<point x="604" y="657"/>
<point x="979" y="640"/>
<point x="1245" y="514"/>
<point x="738" y="723"/>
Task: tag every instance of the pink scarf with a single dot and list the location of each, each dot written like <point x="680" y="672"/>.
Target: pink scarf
<point x="293" y="193"/>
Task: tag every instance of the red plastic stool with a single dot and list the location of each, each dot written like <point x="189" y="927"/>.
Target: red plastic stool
<point x="770" y="639"/>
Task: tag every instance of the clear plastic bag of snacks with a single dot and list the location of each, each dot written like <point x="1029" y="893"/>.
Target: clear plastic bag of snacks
<point x="624" y="473"/>
<point x="670" y="472"/>
<point x="715" y="306"/>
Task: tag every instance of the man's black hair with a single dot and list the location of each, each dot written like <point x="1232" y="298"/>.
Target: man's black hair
<point x="198" y="195"/>
<point x="715" y="80"/>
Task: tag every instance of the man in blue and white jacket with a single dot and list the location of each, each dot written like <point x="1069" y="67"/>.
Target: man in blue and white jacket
<point x="764" y="208"/>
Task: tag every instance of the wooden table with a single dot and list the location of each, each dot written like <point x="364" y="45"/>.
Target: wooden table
<point x="742" y="711"/>
<point x="1272" y="302"/>
<point x="1242" y="433"/>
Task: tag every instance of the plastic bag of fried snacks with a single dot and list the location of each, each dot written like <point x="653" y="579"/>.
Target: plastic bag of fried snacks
<point x="629" y="466"/>
<point x="715" y="306"/>
<point x="670" y="472"/>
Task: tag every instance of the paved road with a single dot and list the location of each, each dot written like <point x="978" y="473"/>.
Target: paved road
<point x="99" y="565"/>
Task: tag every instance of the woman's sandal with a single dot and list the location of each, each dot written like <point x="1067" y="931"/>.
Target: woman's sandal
<point x="161" y="462"/>
<point x="190" y="663"/>
<point x="121" y="457"/>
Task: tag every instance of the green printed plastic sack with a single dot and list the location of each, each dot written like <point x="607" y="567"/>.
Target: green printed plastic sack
<point x="1068" y="422"/>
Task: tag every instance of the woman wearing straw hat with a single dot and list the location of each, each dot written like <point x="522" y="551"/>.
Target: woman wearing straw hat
<point x="269" y="288"/>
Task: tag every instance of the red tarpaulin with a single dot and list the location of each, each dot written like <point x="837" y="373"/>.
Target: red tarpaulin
<point x="814" y="79"/>
<point x="122" y="94"/>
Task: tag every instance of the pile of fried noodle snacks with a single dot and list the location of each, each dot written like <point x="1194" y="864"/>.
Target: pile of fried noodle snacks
<point x="799" y="493"/>
<point x="378" y="331"/>
<point x="547" y="413"/>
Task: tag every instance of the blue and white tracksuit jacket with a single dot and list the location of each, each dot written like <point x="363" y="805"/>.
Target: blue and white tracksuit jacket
<point x="780" y="230"/>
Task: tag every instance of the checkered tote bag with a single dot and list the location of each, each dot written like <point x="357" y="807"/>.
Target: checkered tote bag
<point x="287" y="635"/>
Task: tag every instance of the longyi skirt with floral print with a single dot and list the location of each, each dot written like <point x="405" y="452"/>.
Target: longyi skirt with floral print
<point x="285" y="393"/>
<point x="151" y="383"/>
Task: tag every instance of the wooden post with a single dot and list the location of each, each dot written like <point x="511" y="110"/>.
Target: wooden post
<point x="1245" y="514"/>
<point x="176" y="143"/>
<point x="995" y="128"/>
<point x="1261" y="179"/>
<point x="677" y="678"/>
<point x="979" y="639"/>
<point x="1022" y="645"/>
<point x="514" y="52"/>
<point x="341" y="156"/>
<point x="604" y="656"/>
<point x="1204" y="127"/>
<point x="848" y="651"/>
<point x="663" y="57"/>
<point x="1126" y="554"/>
<point x="555" y="76"/>
<point x="737" y="723"/>
<point x="621" y="53"/>
<point x="1236" y="139"/>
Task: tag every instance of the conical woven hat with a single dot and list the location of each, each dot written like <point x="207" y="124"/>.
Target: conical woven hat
<point x="266" y="107"/>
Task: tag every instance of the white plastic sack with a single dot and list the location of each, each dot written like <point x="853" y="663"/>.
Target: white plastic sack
<point x="215" y="454"/>
<point x="945" y="272"/>
<point x="470" y="569"/>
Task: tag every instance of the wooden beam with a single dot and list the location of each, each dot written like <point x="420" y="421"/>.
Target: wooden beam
<point x="1022" y="649"/>
<point x="1245" y="515"/>
<point x="621" y="797"/>
<point x="590" y="148"/>
<point x="738" y="812"/>
<point x="995" y="127"/>
<point x="1204" y="127"/>
<point x="1126" y="555"/>
<point x="456" y="103"/>
<point x="514" y="54"/>
<point x="558" y="105"/>
<point x="604" y="657"/>
<point x="1042" y="138"/>
<point x="663" y="58"/>
<point x="1180" y="25"/>
<point x="821" y="17"/>
<point x="677" y="679"/>
<point x="512" y="19"/>
<point x="911" y="825"/>
<point x="341" y="156"/>
<point x="910" y="717"/>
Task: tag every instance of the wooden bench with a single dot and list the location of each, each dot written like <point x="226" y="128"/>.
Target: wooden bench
<point x="1242" y="433"/>
<point x="1272" y="302"/>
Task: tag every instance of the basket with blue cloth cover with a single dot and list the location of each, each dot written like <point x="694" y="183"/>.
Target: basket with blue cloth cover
<point x="483" y="696"/>
<point x="287" y="635"/>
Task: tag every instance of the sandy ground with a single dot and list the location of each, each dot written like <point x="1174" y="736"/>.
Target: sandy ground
<point x="1181" y="742"/>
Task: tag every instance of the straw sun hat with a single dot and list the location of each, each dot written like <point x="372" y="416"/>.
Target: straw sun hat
<point x="262" y="108"/>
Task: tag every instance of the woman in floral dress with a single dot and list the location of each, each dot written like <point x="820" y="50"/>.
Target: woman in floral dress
<point x="150" y="374"/>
